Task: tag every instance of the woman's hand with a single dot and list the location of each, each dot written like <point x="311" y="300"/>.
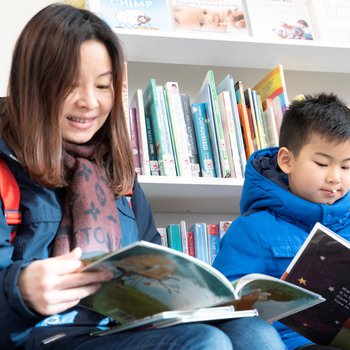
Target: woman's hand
<point x="54" y="285"/>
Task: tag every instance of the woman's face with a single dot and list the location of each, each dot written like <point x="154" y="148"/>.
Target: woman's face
<point x="88" y="105"/>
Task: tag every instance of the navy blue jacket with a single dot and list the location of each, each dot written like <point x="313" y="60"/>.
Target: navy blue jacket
<point x="274" y="226"/>
<point x="41" y="214"/>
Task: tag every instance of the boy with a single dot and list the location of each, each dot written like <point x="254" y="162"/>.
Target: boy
<point x="287" y="190"/>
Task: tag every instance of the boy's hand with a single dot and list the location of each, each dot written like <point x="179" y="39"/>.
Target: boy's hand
<point x="54" y="285"/>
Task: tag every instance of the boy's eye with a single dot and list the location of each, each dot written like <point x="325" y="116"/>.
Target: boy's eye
<point x="345" y="167"/>
<point x="321" y="164"/>
<point x="103" y="86"/>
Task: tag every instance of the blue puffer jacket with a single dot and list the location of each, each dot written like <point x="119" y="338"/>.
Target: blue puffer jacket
<point x="274" y="226"/>
<point x="41" y="215"/>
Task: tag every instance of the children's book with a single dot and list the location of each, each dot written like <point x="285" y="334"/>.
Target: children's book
<point x="140" y="14"/>
<point x="244" y="119"/>
<point x="178" y="127"/>
<point x="134" y="135"/>
<point x="151" y="279"/>
<point x="322" y="265"/>
<point x="209" y="81"/>
<point x="273" y="86"/>
<point x="331" y="20"/>
<point x="228" y="84"/>
<point x="154" y="103"/>
<point x="201" y="130"/>
<point x="192" y="144"/>
<point x="217" y="16"/>
<point x="137" y="102"/>
<point x="280" y="19"/>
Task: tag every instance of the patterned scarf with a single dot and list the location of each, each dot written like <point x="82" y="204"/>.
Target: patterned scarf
<point x="90" y="216"/>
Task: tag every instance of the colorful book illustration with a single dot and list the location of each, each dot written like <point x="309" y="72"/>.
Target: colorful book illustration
<point x="322" y="266"/>
<point x="223" y="227"/>
<point x="152" y="279"/>
<point x="155" y="106"/>
<point x="228" y="84"/>
<point x="192" y="144"/>
<point x="218" y="16"/>
<point x="147" y="15"/>
<point x="137" y="102"/>
<point x="203" y="140"/>
<point x="280" y="19"/>
<point x="273" y="86"/>
<point x="179" y="129"/>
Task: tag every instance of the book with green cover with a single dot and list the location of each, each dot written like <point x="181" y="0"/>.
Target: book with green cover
<point x="150" y="279"/>
<point x="155" y="106"/>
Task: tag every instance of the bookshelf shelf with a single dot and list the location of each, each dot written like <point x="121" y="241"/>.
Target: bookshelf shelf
<point x="192" y="195"/>
<point x="205" y="49"/>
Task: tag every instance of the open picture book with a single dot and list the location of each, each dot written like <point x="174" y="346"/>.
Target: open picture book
<point x="155" y="286"/>
<point x="322" y="265"/>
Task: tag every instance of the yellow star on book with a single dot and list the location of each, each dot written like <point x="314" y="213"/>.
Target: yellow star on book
<point x="301" y="280"/>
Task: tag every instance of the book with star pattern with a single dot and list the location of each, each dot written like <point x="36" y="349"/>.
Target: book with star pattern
<point x="322" y="265"/>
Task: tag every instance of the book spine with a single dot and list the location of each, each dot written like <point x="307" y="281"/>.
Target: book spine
<point x="192" y="145"/>
<point x="166" y="158"/>
<point x="179" y="130"/>
<point x="225" y="166"/>
<point x="201" y="241"/>
<point x="153" y="160"/>
<point x="244" y="119"/>
<point x="252" y="118"/>
<point x="142" y="133"/>
<point x="154" y="106"/>
<point x="174" y="237"/>
<point x="213" y="241"/>
<point x="134" y="139"/>
<point x="223" y="227"/>
<point x="183" y="230"/>
<point x="260" y="119"/>
<point x="190" y="243"/>
<point x="163" y="236"/>
<point x="203" y="141"/>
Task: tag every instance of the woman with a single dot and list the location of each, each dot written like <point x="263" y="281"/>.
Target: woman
<point x="65" y="139"/>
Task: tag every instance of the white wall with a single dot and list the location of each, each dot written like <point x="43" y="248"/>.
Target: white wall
<point x="13" y="16"/>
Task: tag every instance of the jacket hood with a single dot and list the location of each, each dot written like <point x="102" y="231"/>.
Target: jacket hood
<point x="266" y="186"/>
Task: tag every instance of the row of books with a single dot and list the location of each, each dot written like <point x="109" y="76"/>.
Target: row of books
<point x="211" y="136"/>
<point x="201" y="240"/>
<point x="327" y="20"/>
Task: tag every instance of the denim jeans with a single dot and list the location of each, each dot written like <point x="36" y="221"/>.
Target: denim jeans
<point x="238" y="334"/>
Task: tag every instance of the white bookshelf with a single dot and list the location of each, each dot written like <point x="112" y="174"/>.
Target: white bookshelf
<point x="310" y="66"/>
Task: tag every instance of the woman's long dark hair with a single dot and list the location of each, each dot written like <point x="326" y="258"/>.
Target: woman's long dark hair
<point x="45" y="66"/>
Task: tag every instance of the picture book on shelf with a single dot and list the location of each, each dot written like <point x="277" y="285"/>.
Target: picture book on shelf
<point x="331" y="20"/>
<point x="280" y="19"/>
<point x="273" y="87"/>
<point x="141" y="14"/>
<point x="218" y="16"/>
<point x="322" y="265"/>
<point x="150" y="279"/>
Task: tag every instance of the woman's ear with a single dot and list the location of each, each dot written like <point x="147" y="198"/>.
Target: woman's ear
<point x="285" y="159"/>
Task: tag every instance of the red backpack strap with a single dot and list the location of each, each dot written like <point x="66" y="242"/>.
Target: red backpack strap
<point x="10" y="195"/>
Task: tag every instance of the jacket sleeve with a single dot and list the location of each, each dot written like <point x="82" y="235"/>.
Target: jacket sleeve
<point x="16" y="319"/>
<point x="144" y="216"/>
<point x="242" y="251"/>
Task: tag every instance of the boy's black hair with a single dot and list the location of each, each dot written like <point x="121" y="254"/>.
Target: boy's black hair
<point x="324" y="114"/>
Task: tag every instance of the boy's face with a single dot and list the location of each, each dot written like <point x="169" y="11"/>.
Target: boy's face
<point x="321" y="171"/>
